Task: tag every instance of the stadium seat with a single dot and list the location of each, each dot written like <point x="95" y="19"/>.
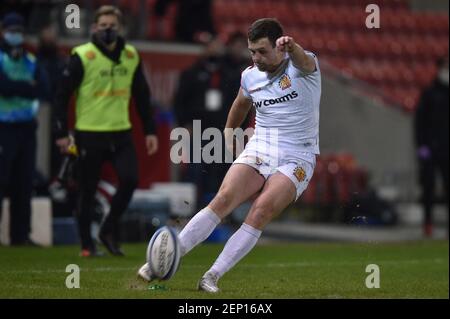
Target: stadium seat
<point x="399" y="59"/>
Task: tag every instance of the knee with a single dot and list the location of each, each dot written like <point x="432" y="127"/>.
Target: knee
<point x="263" y="207"/>
<point x="260" y="215"/>
<point x="222" y="201"/>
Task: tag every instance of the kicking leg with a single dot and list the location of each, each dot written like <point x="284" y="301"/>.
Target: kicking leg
<point x="240" y="183"/>
<point x="276" y="195"/>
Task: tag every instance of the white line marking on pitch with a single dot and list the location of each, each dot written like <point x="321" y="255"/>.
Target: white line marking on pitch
<point x="270" y="265"/>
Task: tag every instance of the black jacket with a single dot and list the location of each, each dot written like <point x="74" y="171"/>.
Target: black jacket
<point x="73" y="76"/>
<point x="190" y="97"/>
<point x="431" y="123"/>
<point x="192" y="16"/>
<point x="195" y="82"/>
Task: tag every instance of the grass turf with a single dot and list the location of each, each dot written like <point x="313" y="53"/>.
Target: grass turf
<point x="282" y="270"/>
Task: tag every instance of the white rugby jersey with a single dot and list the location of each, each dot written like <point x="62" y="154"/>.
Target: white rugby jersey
<point x="289" y="101"/>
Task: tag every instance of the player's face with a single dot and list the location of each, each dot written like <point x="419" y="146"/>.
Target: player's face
<point x="264" y="56"/>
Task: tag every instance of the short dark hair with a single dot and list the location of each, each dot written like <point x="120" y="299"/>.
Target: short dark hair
<point x="108" y="10"/>
<point x="265" y="28"/>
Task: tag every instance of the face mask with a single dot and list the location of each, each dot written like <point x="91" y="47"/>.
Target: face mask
<point x="14" y="39"/>
<point x="107" y="36"/>
<point x="443" y="76"/>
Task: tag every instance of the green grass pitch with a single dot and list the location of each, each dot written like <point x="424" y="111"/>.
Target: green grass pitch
<point x="279" y="270"/>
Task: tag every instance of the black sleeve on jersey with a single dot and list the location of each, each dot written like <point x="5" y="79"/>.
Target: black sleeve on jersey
<point x="71" y="79"/>
<point x="421" y="120"/>
<point x="141" y="93"/>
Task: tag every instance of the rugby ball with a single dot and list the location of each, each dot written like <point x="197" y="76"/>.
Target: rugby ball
<point x="163" y="253"/>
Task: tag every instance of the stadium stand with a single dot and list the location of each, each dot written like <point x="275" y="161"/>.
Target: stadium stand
<point x="395" y="62"/>
<point x="398" y="59"/>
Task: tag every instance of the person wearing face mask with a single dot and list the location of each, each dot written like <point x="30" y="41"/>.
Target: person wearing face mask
<point x="104" y="74"/>
<point x="23" y="83"/>
<point x="431" y="126"/>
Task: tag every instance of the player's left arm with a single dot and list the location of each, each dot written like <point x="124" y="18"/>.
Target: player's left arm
<point x="300" y="59"/>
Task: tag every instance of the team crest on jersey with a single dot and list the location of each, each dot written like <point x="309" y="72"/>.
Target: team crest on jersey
<point x="300" y="173"/>
<point x="90" y="55"/>
<point x="285" y="82"/>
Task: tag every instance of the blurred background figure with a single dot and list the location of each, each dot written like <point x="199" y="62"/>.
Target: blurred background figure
<point x="431" y="136"/>
<point x="23" y="82"/>
<point x="193" y="17"/>
<point x="53" y="61"/>
<point x="49" y="55"/>
<point x="205" y="92"/>
<point x="235" y="60"/>
<point x="105" y="73"/>
<point x="200" y="97"/>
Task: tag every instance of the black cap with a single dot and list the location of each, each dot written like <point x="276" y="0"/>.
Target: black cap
<point x="13" y="19"/>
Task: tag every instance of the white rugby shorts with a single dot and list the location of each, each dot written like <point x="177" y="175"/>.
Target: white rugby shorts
<point x="297" y="165"/>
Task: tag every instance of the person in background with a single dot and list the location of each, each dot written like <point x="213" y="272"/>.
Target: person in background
<point x="193" y="18"/>
<point x="234" y="62"/>
<point x="200" y="97"/>
<point x="104" y="73"/>
<point x="205" y="92"/>
<point x="431" y="125"/>
<point x="53" y="61"/>
<point x="23" y="82"/>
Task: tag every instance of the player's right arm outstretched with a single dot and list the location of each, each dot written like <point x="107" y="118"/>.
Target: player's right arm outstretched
<point x="238" y="112"/>
<point x="301" y="60"/>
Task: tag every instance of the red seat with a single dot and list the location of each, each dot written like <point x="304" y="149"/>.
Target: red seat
<point x="398" y="58"/>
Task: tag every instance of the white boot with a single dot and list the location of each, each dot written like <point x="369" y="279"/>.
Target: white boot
<point x="145" y="273"/>
<point x="208" y="283"/>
